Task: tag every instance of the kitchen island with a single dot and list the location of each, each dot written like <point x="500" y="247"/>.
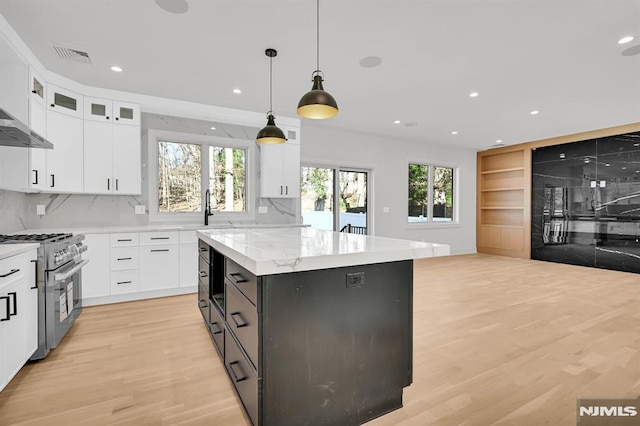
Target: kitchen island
<point x="314" y="327"/>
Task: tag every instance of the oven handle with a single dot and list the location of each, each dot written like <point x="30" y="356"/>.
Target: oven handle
<point x="63" y="276"/>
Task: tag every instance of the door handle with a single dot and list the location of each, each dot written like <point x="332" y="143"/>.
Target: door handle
<point x="35" y="177"/>
<point x="7" y="305"/>
<point x="241" y="324"/>
<point x="15" y="303"/>
<point x="236" y="377"/>
<point x="35" y="274"/>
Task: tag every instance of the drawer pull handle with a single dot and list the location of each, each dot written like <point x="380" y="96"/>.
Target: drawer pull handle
<point x="124" y="258"/>
<point x="35" y="275"/>
<point x="153" y="251"/>
<point x="218" y="326"/>
<point x="241" y="324"/>
<point x="236" y="377"/>
<point x="202" y="304"/>
<point x="203" y="274"/>
<point x="203" y="249"/>
<point x="13" y="271"/>
<point x="8" y="315"/>
<point x="237" y="281"/>
<point x="129" y="239"/>
<point x="15" y="303"/>
<point x="159" y="238"/>
<point x="123" y="282"/>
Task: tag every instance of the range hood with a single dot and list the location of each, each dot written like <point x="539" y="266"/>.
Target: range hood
<point x="16" y="133"/>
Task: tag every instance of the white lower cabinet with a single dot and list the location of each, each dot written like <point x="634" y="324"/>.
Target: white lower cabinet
<point x="131" y="266"/>
<point x="18" y="314"/>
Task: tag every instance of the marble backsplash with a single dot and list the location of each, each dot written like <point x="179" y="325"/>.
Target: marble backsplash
<point x="13" y="212"/>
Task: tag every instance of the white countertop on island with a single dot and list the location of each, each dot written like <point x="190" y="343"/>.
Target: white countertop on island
<point x="275" y="251"/>
<point x="8" y="250"/>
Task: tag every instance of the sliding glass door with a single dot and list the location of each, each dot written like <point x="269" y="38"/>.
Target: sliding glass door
<point x="335" y="199"/>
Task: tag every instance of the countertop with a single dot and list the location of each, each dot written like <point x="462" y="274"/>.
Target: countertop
<point x="153" y="228"/>
<point x="8" y="250"/>
<point x="275" y="251"/>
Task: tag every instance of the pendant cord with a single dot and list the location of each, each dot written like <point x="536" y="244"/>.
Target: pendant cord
<point x="270" y="84"/>
<point x="318" y="35"/>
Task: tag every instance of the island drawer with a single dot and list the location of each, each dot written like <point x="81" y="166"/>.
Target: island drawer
<point x="204" y="250"/>
<point x="203" y="302"/>
<point x="204" y="270"/>
<point x="244" y="280"/>
<point x="243" y="377"/>
<point x="242" y="320"/>
<point x="216" y="327"/>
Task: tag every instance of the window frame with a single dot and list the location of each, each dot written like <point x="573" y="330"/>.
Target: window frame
<point x="430" y="223"/>
<point x="155" y="216"/>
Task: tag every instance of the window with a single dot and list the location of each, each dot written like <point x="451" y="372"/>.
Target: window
<point x="430" y="193"/>
<point x="182" y="168"/>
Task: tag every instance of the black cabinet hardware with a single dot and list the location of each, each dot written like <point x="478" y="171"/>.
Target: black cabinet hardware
<point x="7" y="305"/>
<point x="108" y="184"/>
<point x="123" y="282"/>
<point x="15" y="303"/>
<point x="129" y="239"/>
<point x="35" y="177"/>
<point x="53" y="181"/>
<point x="203" y="274"/>
<point x="236" y="377"/>
<point x="159" y="238"/>
<point x="153" y="251"/>
<point x="238" y="280"/>
<point x="116" y="184"/>
<point x="13" y="271"/>
<point x="242" y="322"/>
<point x="220" y="329"/>
<point x="35" y="275"/>
<point x="124" y="258"/>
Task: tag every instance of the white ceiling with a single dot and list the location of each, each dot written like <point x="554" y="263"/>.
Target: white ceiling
<point x="560" y="57"/>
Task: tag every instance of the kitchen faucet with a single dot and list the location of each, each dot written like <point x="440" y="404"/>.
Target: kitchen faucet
<point x="207" y="207"/>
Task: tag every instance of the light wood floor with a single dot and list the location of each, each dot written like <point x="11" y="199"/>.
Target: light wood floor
<point x="496" y="341"/>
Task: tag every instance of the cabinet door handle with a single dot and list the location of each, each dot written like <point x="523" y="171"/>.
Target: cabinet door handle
<point x="53" y="181"/>
<point x="159" y="238"/>
<point x="240" y="280"/>
<point x="236" y="377"/>
<point x="287" y="190"/>
<point x="34" y="92"/>
<point x="53" y="105"/>
<point x="35" y="274"/>
<point x="243" y="323"/>
<point x="129" y="239"/>
<point x="203" y="249"/>
<point x="107" y="117"/>
<point x="117" y="118"/>
<point x="123" y="282"/>
<point x="11" y="272"/>
<point x="157" y="250"/>
<point x="203" y="274"/>
<point x="116" y="184"/>
<point x="124" y="258"/>
<point x="202" y="304"/>
<point x="108" y="184"/>
<point x="217" y="325"/>
<point x="35" y="177"/>
<point x="8" y="317"/>
<point x="280" y="189"/>
<point x="15" y="303"/>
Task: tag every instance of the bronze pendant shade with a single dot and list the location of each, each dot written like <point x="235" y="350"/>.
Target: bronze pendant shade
<point x="270" y="134"/>
<point x="317" y="104"/>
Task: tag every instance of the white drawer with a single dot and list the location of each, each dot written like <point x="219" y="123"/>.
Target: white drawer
<point x="124" y="258"/>
<point x="187" y="237"/>
<point x="159" y="238"/>
<point x="12" y="269"/>
<point x="125" y="282"/>
<point x="129" y="239"/>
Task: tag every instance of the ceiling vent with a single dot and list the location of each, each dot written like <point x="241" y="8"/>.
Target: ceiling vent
<point x="72" y="55"/>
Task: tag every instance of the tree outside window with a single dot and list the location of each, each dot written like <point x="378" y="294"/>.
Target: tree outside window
<point x="430" y="193"/>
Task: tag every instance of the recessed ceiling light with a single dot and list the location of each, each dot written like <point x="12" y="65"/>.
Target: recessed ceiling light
<point x="562" y="155"/>
<point x="370" y="62"/>
<point x="607" y="165"/>
<point x="534" y="112"/>
<point x="636" y="144"/>
<point x="454" y="133"/>
<point x="624" y="168"/>
<point x="625" y="40"/>
<point x="473" y="94"/>
<point x="396" y="122"/>
<point x="499" y="141"/>
<point x="116" y="68"/>
<point x="213" y="128"/>
<point x="237" y="91"/>
<point x="586" y="160"/>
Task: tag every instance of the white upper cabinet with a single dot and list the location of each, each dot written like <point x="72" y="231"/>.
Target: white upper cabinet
<point x="280" y="167"/>
<point x="64" y="101"/>
<point x="126" y="113"/>
<point x="97" y="109"/>
<point x="38" y="123"/>
<point x="112" y="147"/>
<point x="64" y="162"/>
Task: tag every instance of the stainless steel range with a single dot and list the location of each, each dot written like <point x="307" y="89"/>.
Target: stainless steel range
<point x="59" y="281"/>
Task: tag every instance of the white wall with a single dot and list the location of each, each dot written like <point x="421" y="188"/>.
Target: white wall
<point x="388" y="161"/>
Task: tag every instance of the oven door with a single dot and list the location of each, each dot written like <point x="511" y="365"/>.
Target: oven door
<point x="63" y="300"/>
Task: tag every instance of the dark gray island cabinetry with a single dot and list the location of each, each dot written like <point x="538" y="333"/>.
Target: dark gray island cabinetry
<point x="329" y="345"/>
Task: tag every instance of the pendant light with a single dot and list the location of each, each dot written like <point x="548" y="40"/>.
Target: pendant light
<point x="317" y="104"/>
<point x="270" y="134"/>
